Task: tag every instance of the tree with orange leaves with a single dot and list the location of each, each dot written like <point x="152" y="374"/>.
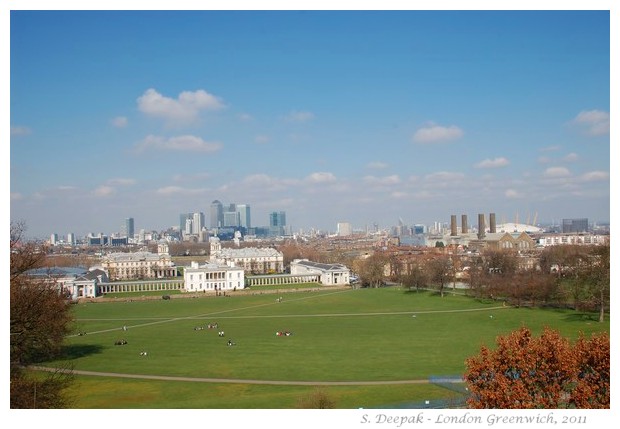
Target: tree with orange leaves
<point x="540" y="372"/>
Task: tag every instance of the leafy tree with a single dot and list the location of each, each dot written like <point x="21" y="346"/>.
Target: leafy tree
<point x="40" y="318"/>
<point x="540" y="372"/>
<point x="593" y="279"/>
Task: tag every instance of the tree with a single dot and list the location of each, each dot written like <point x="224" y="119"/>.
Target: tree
<point x="371" y="269"/>
<point x="414" y="275"/>
<point x="540" y="372"/>
<point x="593" y="279"/>
<point x="39" y="320"/>
<point x="440" y="271"/>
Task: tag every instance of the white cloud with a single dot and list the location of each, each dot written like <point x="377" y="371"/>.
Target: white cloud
<point x="120" y="122"/>
<point x="511" y="193"/>
<point x="177" y="190"/>
<point x="186" y="143"/>
<point x="184" y="109"/>
<point x="556" y="172"/>
<point x="104" y="191"/>
<point x="437" y="133"/>
<point x="296" y="116"/>
<point x="121" y="182"/>
<point x="191" y="177"/>
<point x="258" y="180"/>
<point x="595" y="176"/>
<point x="388" y="180"/>
<point x="444" y="176"/>
<point x="571" y="157"/>
<point x="262" y="139"/>
<point x="549" y="148"/>
<point x="493" y="163"/>
<point x="16" y="196"/>
<point x="20" y="131"/>
<point x="321" y="177"/>
<point x="544" y="160"/>
<point x="399" y="195"/>
<point x="596" y="122"/>
<point x="377" y="165"/>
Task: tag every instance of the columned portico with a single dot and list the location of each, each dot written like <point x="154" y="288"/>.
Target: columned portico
<point x="282" y="279"/>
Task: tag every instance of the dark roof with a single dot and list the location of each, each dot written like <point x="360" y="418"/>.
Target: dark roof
<point x="325" y="267"/>
<point x="57" y="271"/>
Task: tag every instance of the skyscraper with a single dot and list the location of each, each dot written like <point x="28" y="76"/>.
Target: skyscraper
<point x="198" y="221"/>
<point x="216" y="214"/>
<point x="244" y="215"/>
<point x="231" y="219"/>
<point x="183" y="223"/>
<point x="277" y="223"/>
<point x="129" y="227"/>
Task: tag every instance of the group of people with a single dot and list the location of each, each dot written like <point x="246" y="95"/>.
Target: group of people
<point x="283" y="333"/>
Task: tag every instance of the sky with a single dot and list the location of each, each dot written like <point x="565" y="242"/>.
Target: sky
<point x="366" y="117"/>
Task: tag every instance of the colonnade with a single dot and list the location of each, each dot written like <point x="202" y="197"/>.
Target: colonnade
<point x="141" y="286"/>
<point x="281" y="279"/>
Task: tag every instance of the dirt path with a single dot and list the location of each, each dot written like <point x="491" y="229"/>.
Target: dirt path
<point x="236" y="381"/>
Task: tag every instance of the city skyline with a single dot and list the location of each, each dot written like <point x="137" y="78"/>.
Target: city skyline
<point x="361" y="117"/>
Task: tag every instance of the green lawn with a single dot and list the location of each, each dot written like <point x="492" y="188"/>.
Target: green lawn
<point x="337" y="335"/>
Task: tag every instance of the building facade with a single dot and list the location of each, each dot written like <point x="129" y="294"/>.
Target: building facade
<point x="277" y="223"/>
<point x="213" y="277"/>
<point x="216" y="218"/>
<point x="573" y="239"/>
<point x="252" y="259"/>
<point x="139" y="265"/>
<point x="329" y="274"/>
<point x="574" y="225"/>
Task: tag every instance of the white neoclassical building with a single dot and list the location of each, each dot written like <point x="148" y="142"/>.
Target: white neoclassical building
<point x="329" y="274"/>
<point x="213" y="277"/>
<point x="252" y="259"/>
<point x="140" y="265"/>
<point x="74" y="282"/>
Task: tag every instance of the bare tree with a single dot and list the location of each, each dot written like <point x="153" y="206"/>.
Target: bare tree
<point x="414" y="274"/>
<point x="40" y="318"/>
<point x="441" y="271"/>
<point x="371" y="270"/>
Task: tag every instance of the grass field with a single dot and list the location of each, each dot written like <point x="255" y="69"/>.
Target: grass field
<point x="364" y="336"/>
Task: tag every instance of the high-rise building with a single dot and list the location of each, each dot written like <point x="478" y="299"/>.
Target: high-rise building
<point x="198" y="221"/>
<point x="53" y="239"/>
<point x="191" y="223"/>
<point x="216" y="214"/>
<point x="244" y="215"/>
<point x="232" y="218"/>
<point x="344" y="229"/>
<point x="183" y="223"/>
<point x="129" y="227"/>
<point x="277" y="223"/>
<point x="575" y="225"/>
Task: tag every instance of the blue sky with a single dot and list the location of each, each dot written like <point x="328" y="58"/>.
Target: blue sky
<point x="332" y="116"/>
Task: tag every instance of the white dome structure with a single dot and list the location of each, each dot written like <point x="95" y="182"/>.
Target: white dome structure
<point x="517" y="227"/>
